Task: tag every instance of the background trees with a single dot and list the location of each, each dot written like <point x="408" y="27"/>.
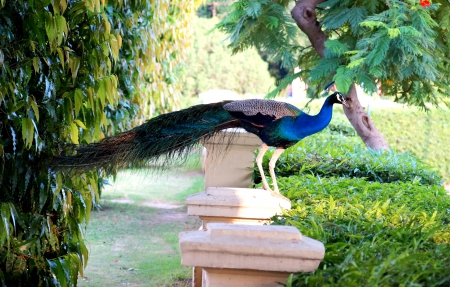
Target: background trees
<point x="400" y="46"/>
<point x="71" y="72"/>
<point x="212" y="66"/>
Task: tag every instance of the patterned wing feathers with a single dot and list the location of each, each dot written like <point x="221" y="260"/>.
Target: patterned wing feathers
<point x="252" y="107"/>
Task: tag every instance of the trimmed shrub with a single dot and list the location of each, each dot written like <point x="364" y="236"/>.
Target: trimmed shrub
<point x="383" y="217"/>
<point x="375" y="234"/>
<point x="426" y="135"/>
<point x="328" y="155"/>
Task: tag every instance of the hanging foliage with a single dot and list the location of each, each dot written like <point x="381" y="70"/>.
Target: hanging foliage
<point x="70" y="73"/>
<point x="401" y="46"/>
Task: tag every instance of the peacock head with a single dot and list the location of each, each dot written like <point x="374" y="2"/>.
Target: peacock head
<point x="339" y="98"/>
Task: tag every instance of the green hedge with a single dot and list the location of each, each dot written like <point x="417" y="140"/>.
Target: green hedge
<point x="383" y="217"/>
<point x="375" y="234"/>
<point x="426" y="135"/>
<point x="326" y="155"/>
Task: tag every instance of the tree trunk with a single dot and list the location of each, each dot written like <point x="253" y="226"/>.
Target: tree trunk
<point x="304" y="14"/>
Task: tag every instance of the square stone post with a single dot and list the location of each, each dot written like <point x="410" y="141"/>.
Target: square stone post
<point x="231" y="165"/>
<point x="233" y="255"/>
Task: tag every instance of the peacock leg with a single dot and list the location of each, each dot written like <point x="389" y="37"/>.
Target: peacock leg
<point x="273" y="160"/>
<point x="259" y="159"/>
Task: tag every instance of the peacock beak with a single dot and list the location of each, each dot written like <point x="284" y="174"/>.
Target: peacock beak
<point x="344" y="102"/>
<point x="341" y="99"/>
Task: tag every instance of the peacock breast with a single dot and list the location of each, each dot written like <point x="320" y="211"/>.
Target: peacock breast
<point x="280" y="133"/>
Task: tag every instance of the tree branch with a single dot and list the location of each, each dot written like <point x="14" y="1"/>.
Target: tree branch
<point x="304" y="14"/>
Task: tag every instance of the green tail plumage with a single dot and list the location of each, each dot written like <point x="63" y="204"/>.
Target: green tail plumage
<point x="169" y="135"/>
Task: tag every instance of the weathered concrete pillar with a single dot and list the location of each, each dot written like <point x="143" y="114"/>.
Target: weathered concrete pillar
<point x="230" y="165"/>
<point x="234" y="255"/>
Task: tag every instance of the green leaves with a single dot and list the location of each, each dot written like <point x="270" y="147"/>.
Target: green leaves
<point x="65" y="269"/>
<point x="50" y="26"/>
<point x="373" y="233"/>
<point x="14" y="266"/>
<point x="27" y="132"/>
<point x="343" y="79"/>
<point x="5" y="227"/>
<point x="74" y="133"/>
<point x="381" y="216"/>
<point x="74" y="66"/>
<point x="378" y="54"/>
<point x="253" y="8"/>
<point x="401" y="46"/>
<point x="336" y="47"/>
<point x="67" y="79"/>
<point x="78" y="100"/>
<point x="263" y="24"/>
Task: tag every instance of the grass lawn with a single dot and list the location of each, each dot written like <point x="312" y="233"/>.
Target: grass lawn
<point x="133" y="239"/>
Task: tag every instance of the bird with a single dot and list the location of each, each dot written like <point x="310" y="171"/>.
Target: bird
<point x="169" y="136"/>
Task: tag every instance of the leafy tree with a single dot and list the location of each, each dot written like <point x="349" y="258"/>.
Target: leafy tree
<point x="70" y="72"/>
<point x="403" y="46"/>
<point x="211" y="65"/>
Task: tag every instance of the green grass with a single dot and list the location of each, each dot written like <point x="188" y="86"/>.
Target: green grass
<point x="132" y="243"/>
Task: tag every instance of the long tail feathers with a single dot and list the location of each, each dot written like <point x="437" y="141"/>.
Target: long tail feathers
<point x="169" y="135"/>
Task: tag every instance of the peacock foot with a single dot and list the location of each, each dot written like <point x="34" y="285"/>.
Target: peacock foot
<point x="267" y="188"/>
<point x="274" y="193"/>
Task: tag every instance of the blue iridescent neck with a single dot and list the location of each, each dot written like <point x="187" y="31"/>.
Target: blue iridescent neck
<point x="307" y="125"/>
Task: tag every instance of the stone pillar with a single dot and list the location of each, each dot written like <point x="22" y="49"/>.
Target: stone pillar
<point x="230" y="165"/>
<point x="233" y="255"/>
<point x="235" y="205"/>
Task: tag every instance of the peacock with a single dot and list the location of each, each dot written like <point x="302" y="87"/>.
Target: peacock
<point x="277" y="124"/>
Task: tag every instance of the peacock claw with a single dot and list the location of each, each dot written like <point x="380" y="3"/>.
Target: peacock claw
<point x="279" y="195"/>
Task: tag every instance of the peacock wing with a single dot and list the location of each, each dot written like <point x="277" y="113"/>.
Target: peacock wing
<point x="261" y="112"/>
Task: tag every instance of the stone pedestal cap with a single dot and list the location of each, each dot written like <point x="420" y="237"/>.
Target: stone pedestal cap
<point x="252" y="247"/>
<point x="236" y="202"/>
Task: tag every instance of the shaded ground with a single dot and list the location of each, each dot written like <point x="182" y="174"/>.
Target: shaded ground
<point x="136" y="246"/>
<point x="133" y="239"/>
